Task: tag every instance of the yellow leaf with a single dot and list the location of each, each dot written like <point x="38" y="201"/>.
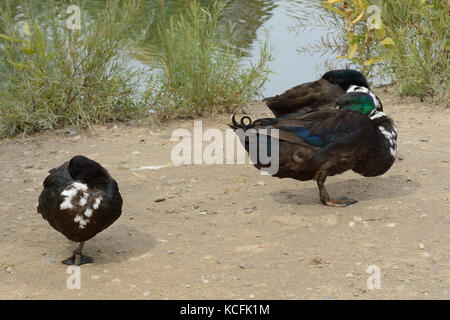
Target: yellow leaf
<point x="388" y="42"/>
<point x="26" y="28"/>
<point x="352" y="50"/>
<point x="335" y="10"/>
<point x="333" y="1"/>
<point x="361" y="15"/>
<point x="380" y="33"/>
<point x="374" y="61"/>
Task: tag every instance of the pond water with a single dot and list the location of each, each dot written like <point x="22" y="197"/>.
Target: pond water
<point x="253" y="19"/>
<point x="291" y="66"/>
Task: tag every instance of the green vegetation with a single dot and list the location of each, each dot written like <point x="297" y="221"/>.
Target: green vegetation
<point x="51" y="76"/>
<point x="409" y="47"/>
<point x="202" y="69"/>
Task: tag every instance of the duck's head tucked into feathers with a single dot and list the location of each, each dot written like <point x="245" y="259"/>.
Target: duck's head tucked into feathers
<point x="85" y="169"/>
<point x="346" y="78"/>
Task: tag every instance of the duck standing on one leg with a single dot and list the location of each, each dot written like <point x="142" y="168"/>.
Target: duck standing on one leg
<point x="321" y="93"/>
<point x="80" y="199"/>
<point x="353" y="136"/>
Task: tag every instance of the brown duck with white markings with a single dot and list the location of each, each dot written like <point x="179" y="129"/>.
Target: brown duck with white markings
<point x="80" y="199"/>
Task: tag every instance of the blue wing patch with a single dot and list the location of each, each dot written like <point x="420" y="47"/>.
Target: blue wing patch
<point x="304" y="134"/>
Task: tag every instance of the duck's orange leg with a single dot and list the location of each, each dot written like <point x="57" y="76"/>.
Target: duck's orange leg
<point x="321" y="176"/>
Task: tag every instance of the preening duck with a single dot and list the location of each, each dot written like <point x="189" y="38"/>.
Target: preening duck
<point x="352" y="136"/>
<point x="321" y="93"/>
<point x="80" y="199"/>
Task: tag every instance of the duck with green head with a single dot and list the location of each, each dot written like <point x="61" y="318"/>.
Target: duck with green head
<point x="353" y="135"/>
<point x="321" y="93"/>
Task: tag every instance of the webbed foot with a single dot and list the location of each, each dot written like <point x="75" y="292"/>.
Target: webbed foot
<point x="339" y="202"/>
<point x="77" y="260"/>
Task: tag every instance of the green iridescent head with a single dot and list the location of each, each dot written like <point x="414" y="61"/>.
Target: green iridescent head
<point x="357" y="101"/>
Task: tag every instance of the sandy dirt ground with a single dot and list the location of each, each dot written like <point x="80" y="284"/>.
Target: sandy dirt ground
<point x="227" y="232"/>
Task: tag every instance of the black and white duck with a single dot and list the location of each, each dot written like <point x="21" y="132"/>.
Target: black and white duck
<point x="352" y="136"/>
<point x="321" y="93"/>
<point x="80" y="199"/>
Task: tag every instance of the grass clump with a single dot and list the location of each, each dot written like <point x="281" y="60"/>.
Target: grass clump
<point x="419" y="59"/>
<point x="51" y="76"/>
<point x="202" y="71"/>
<point x="410" y="48"/>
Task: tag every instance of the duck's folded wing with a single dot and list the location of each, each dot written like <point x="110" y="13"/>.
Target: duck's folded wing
<point x="345" y="136"/>
<point x="54" y="184"/>
<point x="325" y="128"/>
<point x="305" y="97"/>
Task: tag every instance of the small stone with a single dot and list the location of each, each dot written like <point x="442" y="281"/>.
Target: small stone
<point x="244" y="266"/>
<point x="9" y="270"/>
<point x="357" y="219"/>
<point x="349" y="275"/>
<point x="390" y="225"/>
<point x="317" y="261"/>
<point x="170" y="252"/>
<point x="425" y="254"/>
<point x="146" y="293"/>
<point x="301" y="259"/>
<point x="247" y="284"/>
<point x="160" y="200"/>
<point x="95" y="277"/>
<point x="120" y="251"/>
<point x="421" y="246"/>
<point x="205" y="281"/>
<point x="261" y="183"/>
<point x="351" y="224"/>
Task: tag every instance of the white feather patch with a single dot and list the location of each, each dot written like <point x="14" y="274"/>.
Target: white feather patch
<point x="81" y="221"/>
<point x="80" y="186"/>
<point x="84" y="199"/>
<point x="70" y="192"/>
<point x="97" y="203"/>
<point x="88" y="213"/>
<point x="378" y="115"/>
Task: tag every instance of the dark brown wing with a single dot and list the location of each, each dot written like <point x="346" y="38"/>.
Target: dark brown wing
<point x="305" y="97"/>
